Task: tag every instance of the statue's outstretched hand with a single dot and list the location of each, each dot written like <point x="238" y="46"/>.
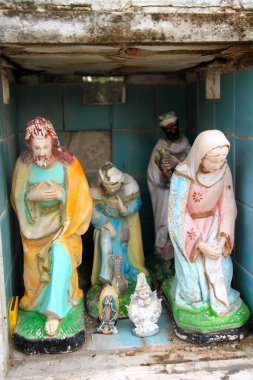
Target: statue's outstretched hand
<point x="211" y="251"/>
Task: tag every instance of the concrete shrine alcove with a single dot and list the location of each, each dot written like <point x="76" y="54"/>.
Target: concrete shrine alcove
<point x="195" y="58"/>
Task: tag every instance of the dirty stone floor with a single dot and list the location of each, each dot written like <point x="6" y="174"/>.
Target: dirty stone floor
<point x="123" y="356"/>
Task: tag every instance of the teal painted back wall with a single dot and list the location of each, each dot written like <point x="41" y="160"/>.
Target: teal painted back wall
<point x="9" y="229"/>
<point x="232" y="114"/>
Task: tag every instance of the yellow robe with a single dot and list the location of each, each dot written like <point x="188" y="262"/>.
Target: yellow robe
<point x="75" y="219"/>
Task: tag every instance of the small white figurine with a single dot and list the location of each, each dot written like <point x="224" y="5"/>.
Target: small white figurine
<point x="144" y="309"/>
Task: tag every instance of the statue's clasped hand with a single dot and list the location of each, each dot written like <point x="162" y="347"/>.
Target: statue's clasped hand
<point x="45" y="191"/>
<point x="170" y="162"/>
<point x="213" y="251"/>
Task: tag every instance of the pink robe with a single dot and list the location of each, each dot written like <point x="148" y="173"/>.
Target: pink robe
<point x="202" y="208"/>
<point x="210" y="213"/>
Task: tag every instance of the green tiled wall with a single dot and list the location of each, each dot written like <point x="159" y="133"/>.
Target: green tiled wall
<point x="206" y="110"/>
<point x="192" y="106"/>
<point x="8" y="223"/>
<point x="243" y="102"/>
<point x="225" y="107"/>
<point x="3" y="185"/>
<point x="232" y="114"/>
<point x="79" y="116"/>
<point x="172" y="98"/>
<point x="139" y="111"/>
<point x="131" y="150"/>
<point x="39" y="100"/>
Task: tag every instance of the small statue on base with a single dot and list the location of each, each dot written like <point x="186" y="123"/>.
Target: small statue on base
<point x="108" y="310"/>
<point x="117" y="201"/>
<point x="52" y="200"/>
<point x="144" y="309"/>
<point x="118" y="249"/>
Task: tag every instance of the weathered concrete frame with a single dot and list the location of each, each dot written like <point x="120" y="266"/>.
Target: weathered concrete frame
<point x="122" y="24"/>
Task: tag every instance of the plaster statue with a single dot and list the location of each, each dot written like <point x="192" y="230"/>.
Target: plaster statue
<point x="52" y="200"/>
<point x="167" y="153"/>
<point x="108" y="310"/>
<point x="144" y="309"/>
<point x="202" y="213"/>
<point x="116" y="221"/>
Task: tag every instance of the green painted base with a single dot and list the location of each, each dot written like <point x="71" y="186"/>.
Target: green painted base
<point x="31" y="324"/>
<point x="124" y="299"/>
<point x="203" y="320"/>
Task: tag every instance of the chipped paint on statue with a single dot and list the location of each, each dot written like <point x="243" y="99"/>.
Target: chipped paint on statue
<point x="118" y="250"/>
<point x="108" y="309"/>
<point x="115" y="217"/>
<point x="52" y="200"/>
<point x="144" y="309"/>
<point x="202" y="213"/>
<point x="167" y="153"/>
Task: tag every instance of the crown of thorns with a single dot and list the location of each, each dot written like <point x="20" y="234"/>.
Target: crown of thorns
<point x="40" y="127"/>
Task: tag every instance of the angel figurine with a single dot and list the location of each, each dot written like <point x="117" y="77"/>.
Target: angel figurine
<point x="144" y="309"/>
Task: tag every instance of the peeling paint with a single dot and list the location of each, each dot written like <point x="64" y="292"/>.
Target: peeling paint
<point x="75" y="26"/>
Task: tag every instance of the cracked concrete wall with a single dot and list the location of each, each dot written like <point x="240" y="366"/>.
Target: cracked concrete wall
<point x="125" y="21"/>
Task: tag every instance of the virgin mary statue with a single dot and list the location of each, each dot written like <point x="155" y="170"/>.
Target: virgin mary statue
<point x="202" y="213"/>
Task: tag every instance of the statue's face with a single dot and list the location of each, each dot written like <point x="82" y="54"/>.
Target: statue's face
<point x="144" y="294"/>
<point x="42" y="150"/>
<point x="112" y="187"/>
<point x="214" y="160"/>
<point x="172" y="132"/>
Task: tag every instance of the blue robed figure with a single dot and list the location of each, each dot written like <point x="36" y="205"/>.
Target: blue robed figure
<point x="116" y="221"/>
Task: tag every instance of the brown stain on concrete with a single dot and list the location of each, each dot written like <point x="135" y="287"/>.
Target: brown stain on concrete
<point x="104" y="28"/>
<point x="111" y="27"/>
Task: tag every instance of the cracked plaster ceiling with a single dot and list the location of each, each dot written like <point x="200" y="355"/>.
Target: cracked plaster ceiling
<point x="113" y="60"/>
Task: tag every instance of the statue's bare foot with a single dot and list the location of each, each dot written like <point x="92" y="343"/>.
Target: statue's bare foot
<point x="51" y="326"/>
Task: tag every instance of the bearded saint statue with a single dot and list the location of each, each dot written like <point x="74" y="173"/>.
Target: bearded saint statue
<point x="52" y="200"/>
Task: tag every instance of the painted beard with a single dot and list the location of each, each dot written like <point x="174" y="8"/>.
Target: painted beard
<point x="42" y="161"/>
